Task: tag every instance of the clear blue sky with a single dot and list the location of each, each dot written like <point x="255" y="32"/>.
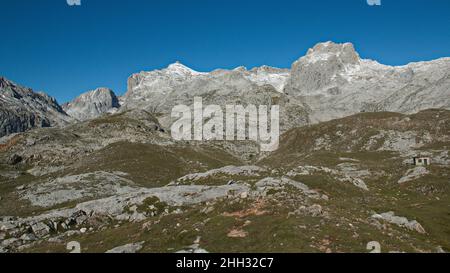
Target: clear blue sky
<point x="64" y="51"/>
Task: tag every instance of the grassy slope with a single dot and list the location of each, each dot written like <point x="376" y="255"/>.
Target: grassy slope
<point x="426" y="200"/>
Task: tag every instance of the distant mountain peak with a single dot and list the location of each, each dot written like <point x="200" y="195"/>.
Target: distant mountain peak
<point x="330" y="51"/>
<point x="240" y="68"/>
<point x="182" y="69"/>
<point x="96" y="92"/>
<point x="23" y="109"/>
<point x="92" y="104"/>
<point x="5" y="82"/>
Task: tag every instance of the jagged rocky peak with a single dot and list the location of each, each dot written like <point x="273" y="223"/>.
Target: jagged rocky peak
<point x="265" y="69"/>
<point x="267" y="75"/>
<point x="181" y="69"/>
<point x="160" y="80"/>
<point x="92" y="104"/>
<point x="335" y="82"/>
<point x="12" y="91"/>
<point x="331" y="79"/>
<point x="22" y="109"/>
<point x="329" y="50"/>
<point x="241" y="68"/>
<point x="4" y="82"/>
<point x="322" y="66"/>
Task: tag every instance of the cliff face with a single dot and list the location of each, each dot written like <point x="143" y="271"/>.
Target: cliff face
<point x="22" y="109"/>
<point x="92" y="104"/>
<point x="331" y="81"/>
<point x="335" y="82"/>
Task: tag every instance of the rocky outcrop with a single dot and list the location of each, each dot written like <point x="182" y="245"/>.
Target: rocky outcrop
<point x="22" y="109"/>
<point x="414" y="174"/>
<point x="390" y="217"/>
<point x="92" y="104"/>
<point x="331" y="81"/>
<point x="335" y="82"/>
<point x="342" y="175"/>
<point x="160" y="90"/>
<point x="266" y="75"/>
<point x="322" y="66"/>
<point x="227" y="170"/>
<point x="129" y="248"/>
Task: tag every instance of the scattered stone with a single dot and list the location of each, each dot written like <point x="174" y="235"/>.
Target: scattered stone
<point x="315" y="210"/>
<point x="374" y="222"/>
<point x="195" y="248"/>
<point x="129" y="248"/>
<point x="64" y="226"/>
<point x="79" y="217"/>
<point x="414" y="174"/>
<point x="137" y="217"/>
<point x="21" y="188"/>
<point x="71" y="233"/>
<point x="83" y="230"/>
<point x="347" y="174"/>
<point x="228" y="170"/>
<point x="237" y="233"/>
<point x="6" y="226"/>
<point x="400" y="221"/>
<point x="56" y="191"/>
<point x="207" y="210"/>
<point x="14" y="160"/>
<point x="440" y="250"/>
<point x="40" y="229"/>
<point x="9" y="242"/>
<point x="56" y="240"/>
<point x="28" y="237"/>
<point x="53" y="225"/>
<point x="244" y="195"/>
<point x="269" y="183"/>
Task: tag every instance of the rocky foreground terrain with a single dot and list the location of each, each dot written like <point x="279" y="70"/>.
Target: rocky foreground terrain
<point x="332" y="187"/>
<point x="104" y="171"/>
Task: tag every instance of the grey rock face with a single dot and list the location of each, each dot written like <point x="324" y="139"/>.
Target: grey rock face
<point x="266" y="75"/>
<point x="22" y="109"/>
<point x="330" y="82"/>
<point x="14" y="159"/>
<point x="400" y="221"/>
<point x="76" y="187"/>
<point x="117" y="207"/>
<point x="40" y="229"/>
<point x="335" y="82"/>
<point x="320" y="66"/>
<point x="130" y="248"/>
<point x="92" y="104"/>
<point x="159" y="91"/>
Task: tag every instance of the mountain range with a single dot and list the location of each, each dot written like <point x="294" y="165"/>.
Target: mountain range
<point x="104" y="171"/>
<point x="331" y="81"/>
